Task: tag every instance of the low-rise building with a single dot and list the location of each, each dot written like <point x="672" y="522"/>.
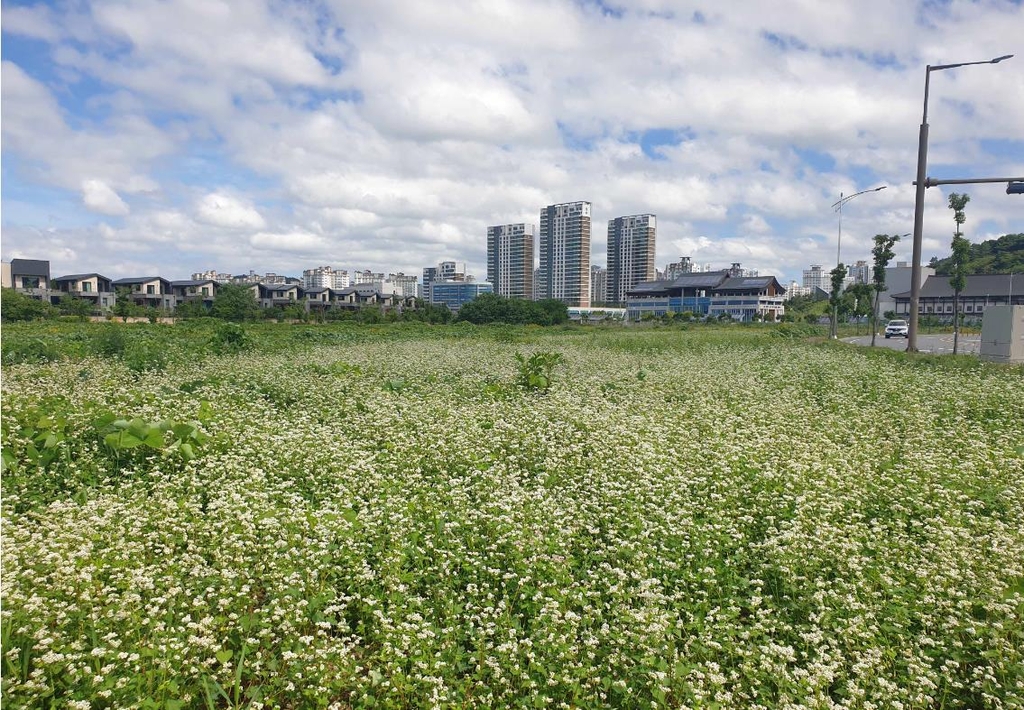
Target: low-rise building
<point x="980" y="292"/>
<point x="709" y="294"/>
<point x="148" y="291"/>
<point x="455" y="294"/>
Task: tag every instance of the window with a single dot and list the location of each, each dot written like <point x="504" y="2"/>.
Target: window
<point x="206" y="290"/>
<point x="949" y="308"/>
<point x="86" y="287"/>
<point x="150" y="290"/>
<point x="30" y="282"/>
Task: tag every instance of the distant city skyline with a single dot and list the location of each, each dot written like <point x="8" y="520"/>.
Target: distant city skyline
<point x="145" y="137"/>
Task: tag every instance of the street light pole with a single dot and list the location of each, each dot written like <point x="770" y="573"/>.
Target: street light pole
<point x="922" y="169"/>
<point x="838" y="207"/>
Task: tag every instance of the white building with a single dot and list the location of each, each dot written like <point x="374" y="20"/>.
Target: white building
<point x="565" y="253"/>
<point x="631" y="241"/>
<point x="510" y="259"/>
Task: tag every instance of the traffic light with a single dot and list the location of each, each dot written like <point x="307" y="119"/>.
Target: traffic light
<point x="1015" y="188"/>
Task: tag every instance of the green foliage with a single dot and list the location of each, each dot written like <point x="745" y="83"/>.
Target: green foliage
<point x="1004" y="255"/>
<point x="171" y="438"/>
<point x="492" y="308"/>
<point x="229" y="338"/>
<point x="191" y="309"/>
<point x="73" y="306"/>
<point x="29" y="350"/>
<point x="124" y="306"/>
<point x="882" y="253"/>
<point x="235" y="302"/>
<point x="650" y="533"/>
<point x="17" y="306"/>
<point x="535" y="371"/>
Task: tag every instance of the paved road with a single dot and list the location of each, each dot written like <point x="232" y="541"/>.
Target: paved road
<point x="925" y="343"/>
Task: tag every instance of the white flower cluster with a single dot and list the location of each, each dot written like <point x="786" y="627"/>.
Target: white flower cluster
<point x="681" y="520"/>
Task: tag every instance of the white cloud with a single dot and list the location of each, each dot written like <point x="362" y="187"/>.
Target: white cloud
<point x="300" y="242"/>
<point x="388" y="134"/>
<point x="226" y="211"/>
<point x="99" y="197"/>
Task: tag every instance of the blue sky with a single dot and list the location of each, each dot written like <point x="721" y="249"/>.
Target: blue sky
<point x="174" y="136"/>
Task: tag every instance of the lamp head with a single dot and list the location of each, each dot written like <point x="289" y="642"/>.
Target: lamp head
<point x="999" y="59"/>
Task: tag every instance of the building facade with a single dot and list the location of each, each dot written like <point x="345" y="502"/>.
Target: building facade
<point x="709" y="294"/>
<point x="510" y="259"/>
<point x="598" y="284"/>
<point x="817" y="277"/>
<point x="455" y="294"/>
<point x="630" y="254"/>
<point x="980" y="292"/>
<point x="565" y="253"/>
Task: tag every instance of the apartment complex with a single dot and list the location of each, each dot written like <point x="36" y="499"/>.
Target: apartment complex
<point x="510" y="260"/>
<point x="630" y="254"/>
<point x="325" y="277"/>
<point x="565" y="253"/>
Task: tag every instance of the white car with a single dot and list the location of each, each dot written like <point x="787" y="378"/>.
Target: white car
<point x="897" y="328"/>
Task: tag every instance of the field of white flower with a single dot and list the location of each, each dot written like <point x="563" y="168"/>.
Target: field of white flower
<point x="685" y="520"/>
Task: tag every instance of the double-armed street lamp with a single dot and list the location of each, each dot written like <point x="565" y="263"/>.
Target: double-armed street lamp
<point x="838" y="207"/>
<point x="922" y="162"/>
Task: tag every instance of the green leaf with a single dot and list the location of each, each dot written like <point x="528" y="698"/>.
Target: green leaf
<point x="350" y="515"/>
<point x="173" y="705"/>
<point x="186" y="452"/>
<point x="225" y="655"/>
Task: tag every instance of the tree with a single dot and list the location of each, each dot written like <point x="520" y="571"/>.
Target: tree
<point x="961" y="249"/>
<point x="883" y="253"/>
<point x="235" y="302"/>
<point x="858" y="300"/>
<point x="73" y="306"/>
<point x="124" y="306"/>
<point x="18" y="306"/>
<point x="835" y="296"/>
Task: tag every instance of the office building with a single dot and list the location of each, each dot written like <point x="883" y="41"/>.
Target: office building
<point x="565" y="253"/>
<point x="510" y="260"/>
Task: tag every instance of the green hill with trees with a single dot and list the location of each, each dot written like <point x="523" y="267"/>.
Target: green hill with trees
<point x="995" y="256"/>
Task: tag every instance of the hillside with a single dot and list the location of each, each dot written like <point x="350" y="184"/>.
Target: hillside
<point x="995" y="256"/>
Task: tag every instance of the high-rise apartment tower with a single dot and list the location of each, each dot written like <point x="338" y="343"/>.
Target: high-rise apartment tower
<point x="510" y="260"/>
<point x="630" y="253"/>
<point x="565" y="253"/>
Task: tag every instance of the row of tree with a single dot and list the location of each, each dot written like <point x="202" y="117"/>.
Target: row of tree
<point x="862" y="299"/>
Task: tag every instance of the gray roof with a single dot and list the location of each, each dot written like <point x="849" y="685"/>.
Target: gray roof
<point x="978" y="286"/>
<point x="744" y="283"/>
<point x="706" y="279"/>
<point x="30" y="267"/>
<point x="79" y="277"/>
<point x="192" y="282"/>
<point x="279" y="287"/>
<point x="139" y="280"/>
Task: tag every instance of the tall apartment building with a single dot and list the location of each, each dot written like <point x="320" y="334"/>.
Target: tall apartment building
<point x="817" y="277"/>
<point x="407" y="286"/>
<point x="630" y="254"/>
<point x="510" y="260"/>
<point x="325" y="277"/>
<point x="367" y="277"/>
<point x="598" y="284"/>
<point x="212" y="275"/>
<point x="861" y="272"/>
<point x="565" y="253"/>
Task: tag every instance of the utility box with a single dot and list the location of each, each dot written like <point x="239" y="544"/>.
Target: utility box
<point x="1002" y="334"/>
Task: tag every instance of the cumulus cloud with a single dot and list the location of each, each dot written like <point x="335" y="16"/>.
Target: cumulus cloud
<point x="99" y="197"/>
<point x="388" y="134"/>
<point x="226" y="211"/>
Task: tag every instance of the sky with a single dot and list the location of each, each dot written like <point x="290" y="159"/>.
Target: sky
<point x="145" y="137"/>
